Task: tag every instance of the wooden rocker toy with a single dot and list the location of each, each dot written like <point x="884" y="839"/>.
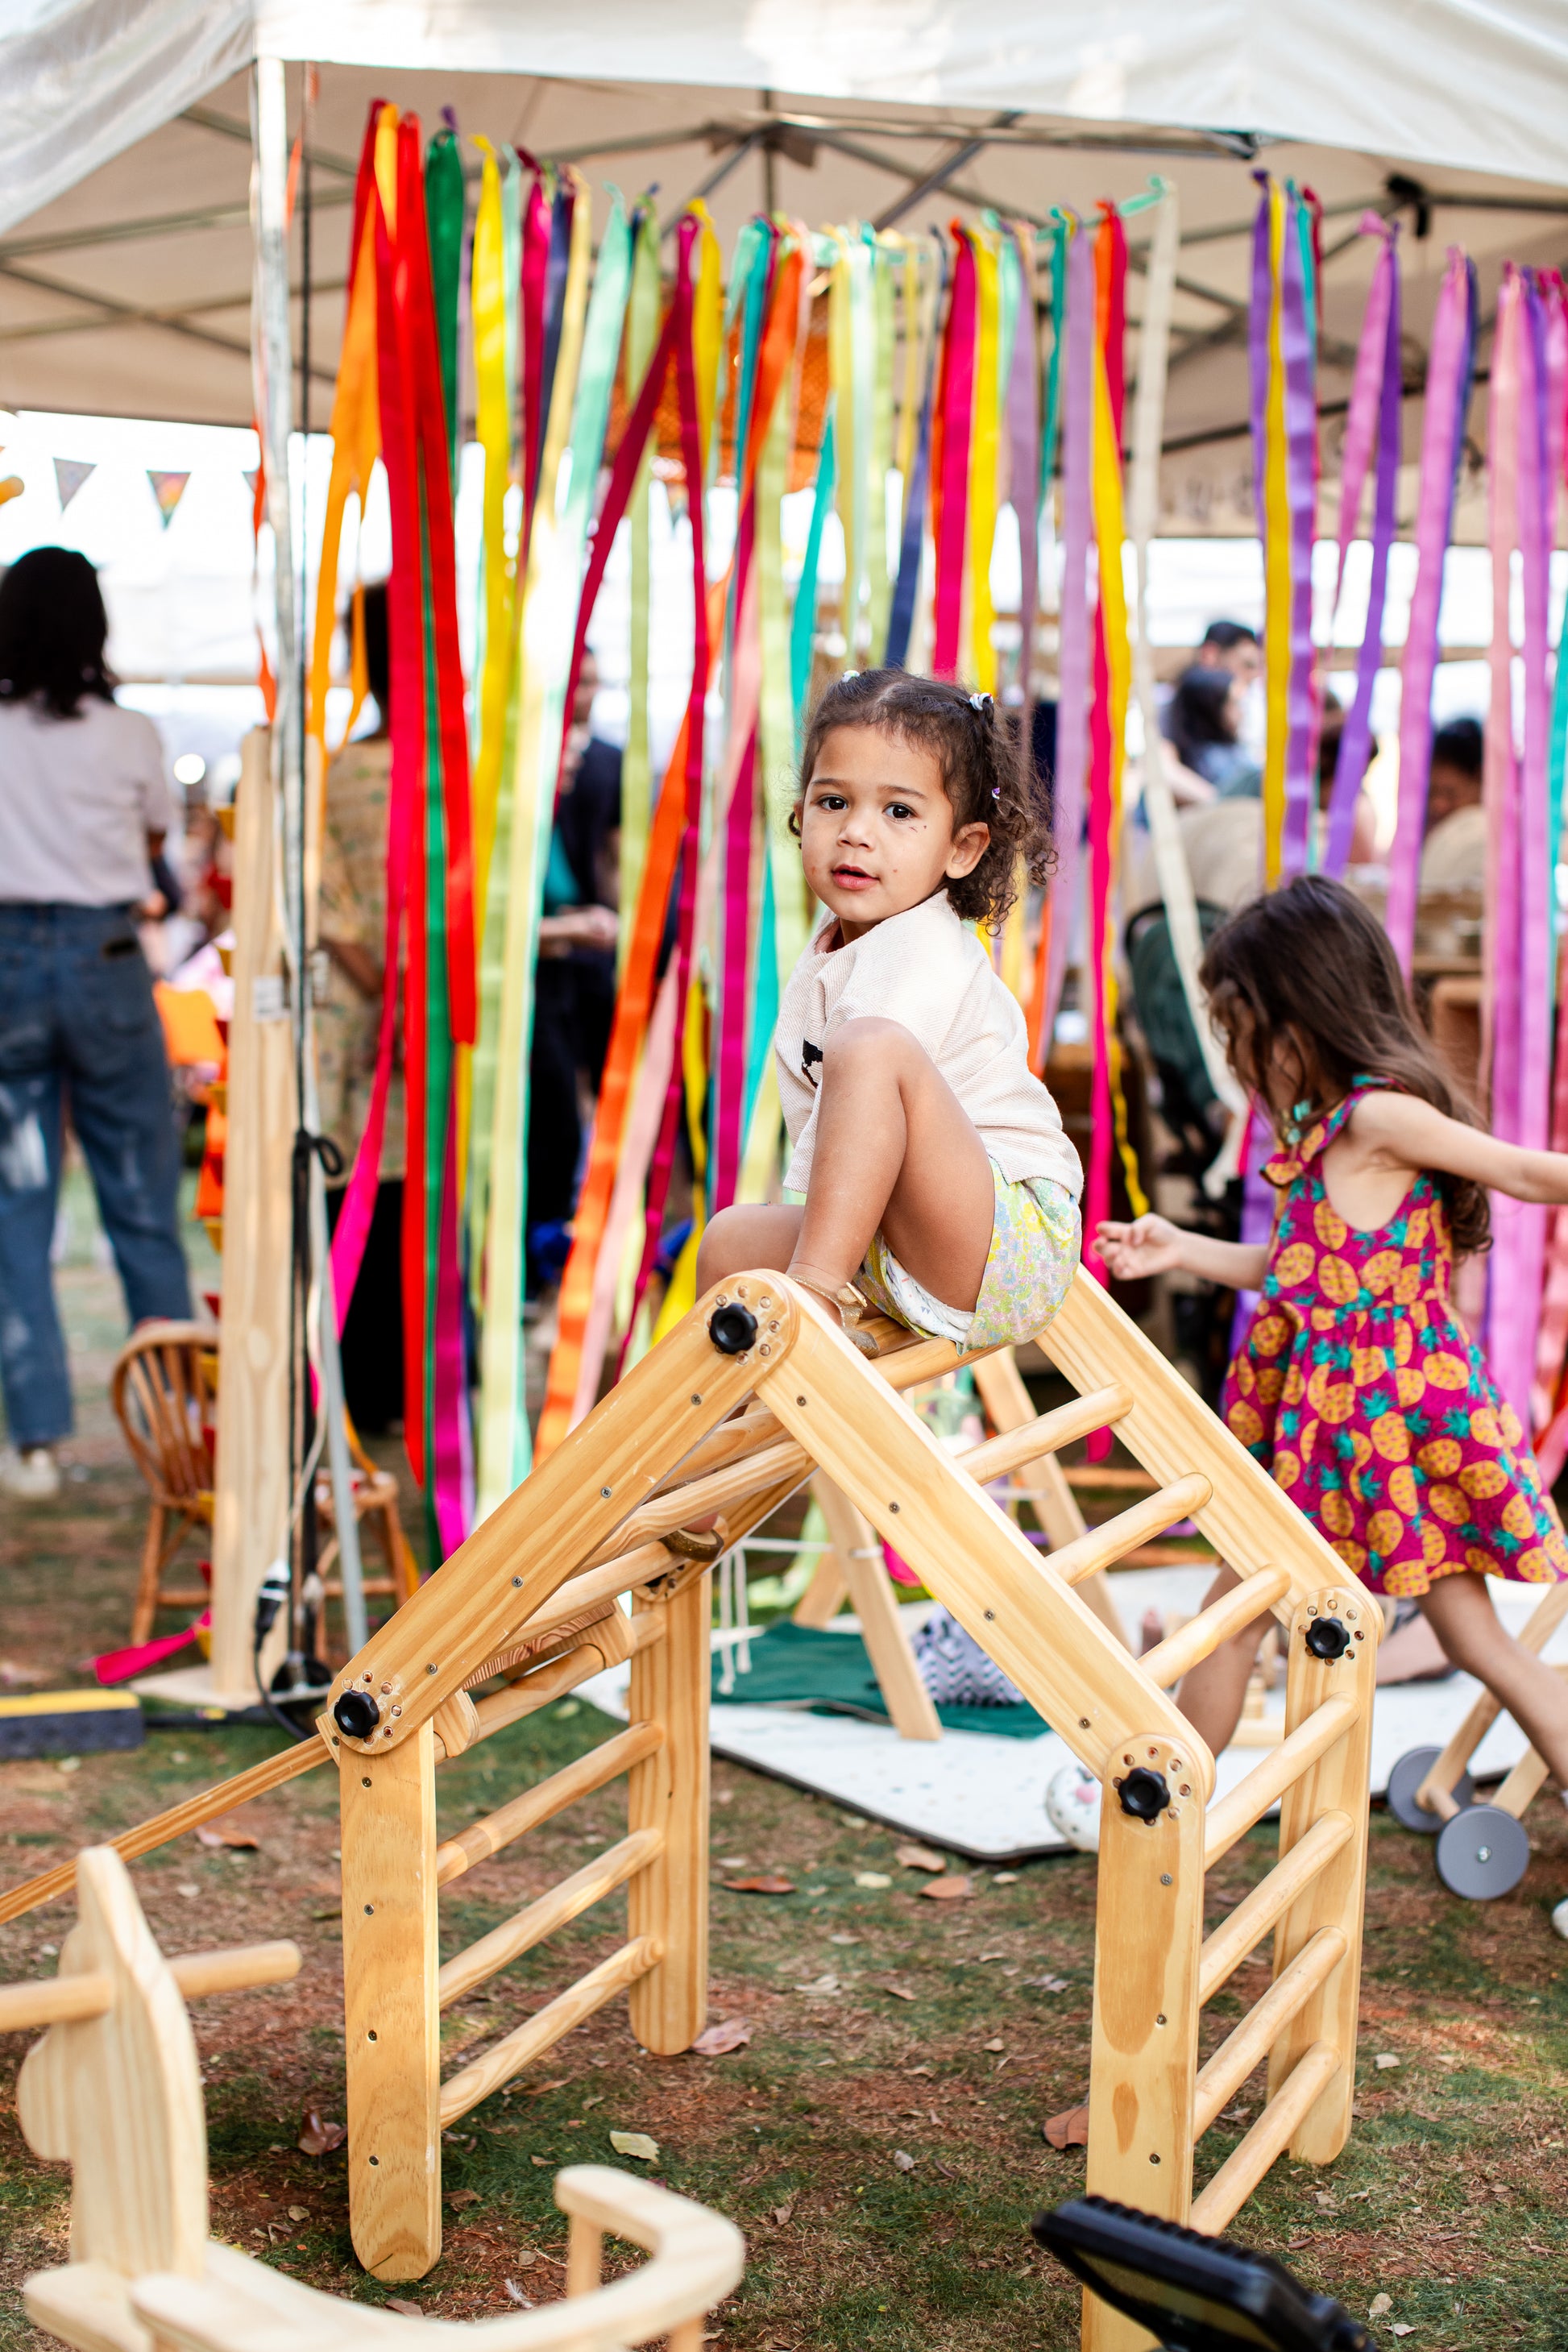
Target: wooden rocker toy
<point x="1483" y="1849"/>
<point x="752" y="1393"/>
<point x="114" y="2089"/>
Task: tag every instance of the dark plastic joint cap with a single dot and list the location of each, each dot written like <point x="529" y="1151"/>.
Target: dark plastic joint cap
<point x="732" y="1329"/>
<point x="1326" y="1638"/>
<point x="356" y="1714"/>
<point x="1145" y="1794"/>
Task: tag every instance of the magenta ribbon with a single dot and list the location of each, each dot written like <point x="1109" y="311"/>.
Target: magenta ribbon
<point x="730" y="1073"/>
<point x="1448" y="370"/>
<point x="1073" y="691"/>
<point x="451" y="1441"/>
<point x="1297" y="352"/>
<point x="1375" y="405"/>
<point x="958" y="419"/>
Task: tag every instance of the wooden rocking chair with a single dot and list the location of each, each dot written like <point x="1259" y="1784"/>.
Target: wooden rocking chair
<point x="164" y="1394"/>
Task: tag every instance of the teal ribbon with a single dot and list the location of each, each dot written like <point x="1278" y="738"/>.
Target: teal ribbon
<point x="802" y="621"/>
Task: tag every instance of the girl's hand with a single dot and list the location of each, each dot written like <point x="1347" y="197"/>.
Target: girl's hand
<point x="1151" y="1245"/>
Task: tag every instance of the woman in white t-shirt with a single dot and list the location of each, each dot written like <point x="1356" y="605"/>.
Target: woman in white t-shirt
<point x="84" y="806"/>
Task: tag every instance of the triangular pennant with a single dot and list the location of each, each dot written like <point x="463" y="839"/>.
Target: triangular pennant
<point x="168" y="489"/>
<point x="71" y="474"/>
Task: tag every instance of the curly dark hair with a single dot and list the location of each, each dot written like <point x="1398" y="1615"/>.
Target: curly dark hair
<point x="1305" y="979"/>
<point x="53" y="629"/>
<point x="985" y="773"/>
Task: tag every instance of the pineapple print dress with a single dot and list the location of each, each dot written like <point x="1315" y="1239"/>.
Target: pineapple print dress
<point x="1360" y="1391"/>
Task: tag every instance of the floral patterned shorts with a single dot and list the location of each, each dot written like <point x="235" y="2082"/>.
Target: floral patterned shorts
<point x="1036" y="1241"/>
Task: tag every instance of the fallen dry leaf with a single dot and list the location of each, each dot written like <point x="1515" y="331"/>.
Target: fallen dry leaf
<point x="1384" y="2060"/>
<point x="16" y="1677"/>
<point x="541" y="2163"/>
<point x="996" y="2042"/>
<point x="953" y="1889"/>
<point x="901" y="1992"/>
<point x="1402" y="2327"/>
<point x="227" y="1830"/>
<point x="730" y="2033"/>
<point x="825" y="1984"/>
<point x="918" y="1857"/>
<point x="846" y="1939"/>
<point x="760" y="1886"/>
<point x="1378" y="2305"/>
<point x="905" y="2163"/>
<point x="1048" y="1984"/>
<point x="636" y="2143"/>
<point x="516" y="2294"/>
<point x="537" y="2090"/>
<point x="318" y="2138"/>
<point x="1070" y="2129"/>
<point x="410" y="2310"/>
<point x="298" y="2213"/>
<point x="525" y="2258"/>
<point x="1004" y="1878"/>
<point x="463" y="2196"/>
<point x="872" y="1878"/>
<point x="783" y="2212"/>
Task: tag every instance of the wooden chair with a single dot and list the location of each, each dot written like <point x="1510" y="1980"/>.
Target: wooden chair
<point x="163" y="1389"/>
<point x="748" y="1396"/>
<point x="114" y="2089"/>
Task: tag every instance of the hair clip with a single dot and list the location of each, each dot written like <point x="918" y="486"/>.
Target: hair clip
<point x="983" y="704"/>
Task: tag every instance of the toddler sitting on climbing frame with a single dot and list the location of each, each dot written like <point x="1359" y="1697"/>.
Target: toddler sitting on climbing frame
<point x="939" y="1188"/>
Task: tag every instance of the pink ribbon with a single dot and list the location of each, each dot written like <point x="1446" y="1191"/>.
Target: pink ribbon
<point x="1375" y="407"/>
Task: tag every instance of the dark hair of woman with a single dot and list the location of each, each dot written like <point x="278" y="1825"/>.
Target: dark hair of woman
<point x="1303" y="984"/>
<point x="1200" y="713"/>
<point x="53" y="629"/>
<point x="1460" y="744"/>
<point x="985" y="774"/>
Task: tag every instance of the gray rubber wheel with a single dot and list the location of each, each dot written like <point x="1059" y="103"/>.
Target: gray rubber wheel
<point x="1406" y="1778"/>
<point x="1481" y="1853"/>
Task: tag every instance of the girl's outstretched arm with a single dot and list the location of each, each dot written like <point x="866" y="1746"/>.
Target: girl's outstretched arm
<point x="1154" y="1246"/>
<point x="1420" y="1136"/>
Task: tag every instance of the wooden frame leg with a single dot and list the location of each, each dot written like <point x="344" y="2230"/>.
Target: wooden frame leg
<point x="858" y="1550"/>
<point x="1148" y="1937"/>
<point x="392" y="2012"/>
<point x="151" y="1577"/>
<point x="824" y="1597"/>
<point x="1337" y="1782"/>
<point x="668" y="1791"/>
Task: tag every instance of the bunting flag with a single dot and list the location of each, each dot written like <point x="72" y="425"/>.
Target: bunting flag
<point x="167" y="489"/>
<point x="73" y="474"/>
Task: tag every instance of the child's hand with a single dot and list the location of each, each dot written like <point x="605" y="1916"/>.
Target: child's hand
<point x="1152" y="1246"/>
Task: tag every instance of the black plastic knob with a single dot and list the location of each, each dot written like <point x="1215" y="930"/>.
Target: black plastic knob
<point x="1145" y="1794"/>
<point x="357" y="1714"/>
<point x="1326" y="1638"/>
<point x="732" y="1329"/>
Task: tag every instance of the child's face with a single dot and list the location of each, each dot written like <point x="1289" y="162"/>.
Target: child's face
<point x="876" y="835"/>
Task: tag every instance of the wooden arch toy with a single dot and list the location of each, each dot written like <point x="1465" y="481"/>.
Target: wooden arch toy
<point x="751" y="1393"/>
<point x="114" y="2089"/>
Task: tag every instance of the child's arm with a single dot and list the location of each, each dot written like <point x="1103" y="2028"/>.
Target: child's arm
<point x="1154" y="1246"/>
<point x="1413" y="1132"/>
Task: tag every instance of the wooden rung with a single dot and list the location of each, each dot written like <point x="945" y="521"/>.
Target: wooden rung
<point x="54" y="2001"/>
<point x="227" y="1797"/>
<point x="572" y="1601"/>
<point x="1225" y="1950"/>
<point x="545" y="2027"/>
<point x="546" y="1798"/>
<point x="1113" y="1478"/>
<point x="1201" y="1635"/>
<point x="704" y="1496"/>
<point x="1103" y="1546"/>
<point x="554" y="1681"/>
<point x="237" y="1970"/>
<point x="1015" y="1447"/>
<point x="1250" y="1800"/>
<point x="1259" y="2029"/>
<point x="1242" y="2170"/>
<point x="537" y="1920"/>
<point x="727" y="1444"/>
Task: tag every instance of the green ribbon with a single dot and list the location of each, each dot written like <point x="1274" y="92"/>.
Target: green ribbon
<point x="445" y="202"/>
<point x="1054" y="373"/>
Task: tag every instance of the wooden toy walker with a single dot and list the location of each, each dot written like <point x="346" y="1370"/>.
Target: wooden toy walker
<point x="750" y="1395"/>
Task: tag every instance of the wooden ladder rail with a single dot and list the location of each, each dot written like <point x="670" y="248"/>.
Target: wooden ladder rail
<point x="1524" y="1781"/>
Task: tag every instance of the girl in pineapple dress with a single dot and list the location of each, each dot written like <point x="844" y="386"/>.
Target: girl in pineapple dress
<point x="1357" y="1386"/>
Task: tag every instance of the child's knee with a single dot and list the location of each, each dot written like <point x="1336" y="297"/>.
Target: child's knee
<point x="865" y="1043"/>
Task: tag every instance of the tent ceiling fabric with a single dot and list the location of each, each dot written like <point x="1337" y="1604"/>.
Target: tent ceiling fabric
<point x="128" y="292"/>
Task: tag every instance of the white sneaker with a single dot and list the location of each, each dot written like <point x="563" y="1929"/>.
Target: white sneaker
<point x="33" y="1476"/>
<point x="1072" y="1806"/>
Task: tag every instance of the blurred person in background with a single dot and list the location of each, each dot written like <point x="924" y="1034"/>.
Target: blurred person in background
<point x="1453" y="851"/>
<point x="1202" y="723"/>
<point x="1231" y="646"/>
<point x="84" y="807"/>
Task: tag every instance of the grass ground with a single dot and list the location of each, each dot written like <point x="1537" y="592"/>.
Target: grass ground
<point x="884" y="2027"/>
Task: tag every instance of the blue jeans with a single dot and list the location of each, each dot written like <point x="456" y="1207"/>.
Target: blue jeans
<point x="78" y="1022"/>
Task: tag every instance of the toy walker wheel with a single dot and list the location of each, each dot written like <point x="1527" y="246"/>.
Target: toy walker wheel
<point x="1481" y="1853"/>
<point x="1406" y="1778"/>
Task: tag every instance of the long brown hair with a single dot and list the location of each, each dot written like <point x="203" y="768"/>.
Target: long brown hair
<point x="1306" y="977"/>
<point x="986" y="774"/>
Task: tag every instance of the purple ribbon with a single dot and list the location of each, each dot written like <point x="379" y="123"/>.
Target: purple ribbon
<point x="1374" y="402"/>
<point x="1448" y="373"/>
<point x="1298" y="358"/>
<point x="1072" y="706"/>
<point x="1024" y="468"/>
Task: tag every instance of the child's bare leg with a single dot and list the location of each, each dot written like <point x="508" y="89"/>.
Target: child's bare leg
<point x="1460" y="1612"/>
<point x="741" y="1238"/>
<point x="1214" y="1692"/>
<point x="895" y="1150"/>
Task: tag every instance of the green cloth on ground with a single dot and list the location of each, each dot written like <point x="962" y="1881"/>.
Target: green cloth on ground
<point x="831" y="1674"/>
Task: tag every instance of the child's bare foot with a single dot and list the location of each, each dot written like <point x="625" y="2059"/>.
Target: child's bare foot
<point x="841" y="1299"/>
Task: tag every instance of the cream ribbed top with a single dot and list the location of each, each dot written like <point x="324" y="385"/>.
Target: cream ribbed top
<point x="923" y="970"/>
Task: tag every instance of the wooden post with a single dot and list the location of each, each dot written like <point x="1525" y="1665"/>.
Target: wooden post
<point x="857" y="1549"/>
<point x="1336" y="1898"/>
<point x="391" y="2012"/>
<point x="668" y="1792"/>
<point x="1144" y="2062"/>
